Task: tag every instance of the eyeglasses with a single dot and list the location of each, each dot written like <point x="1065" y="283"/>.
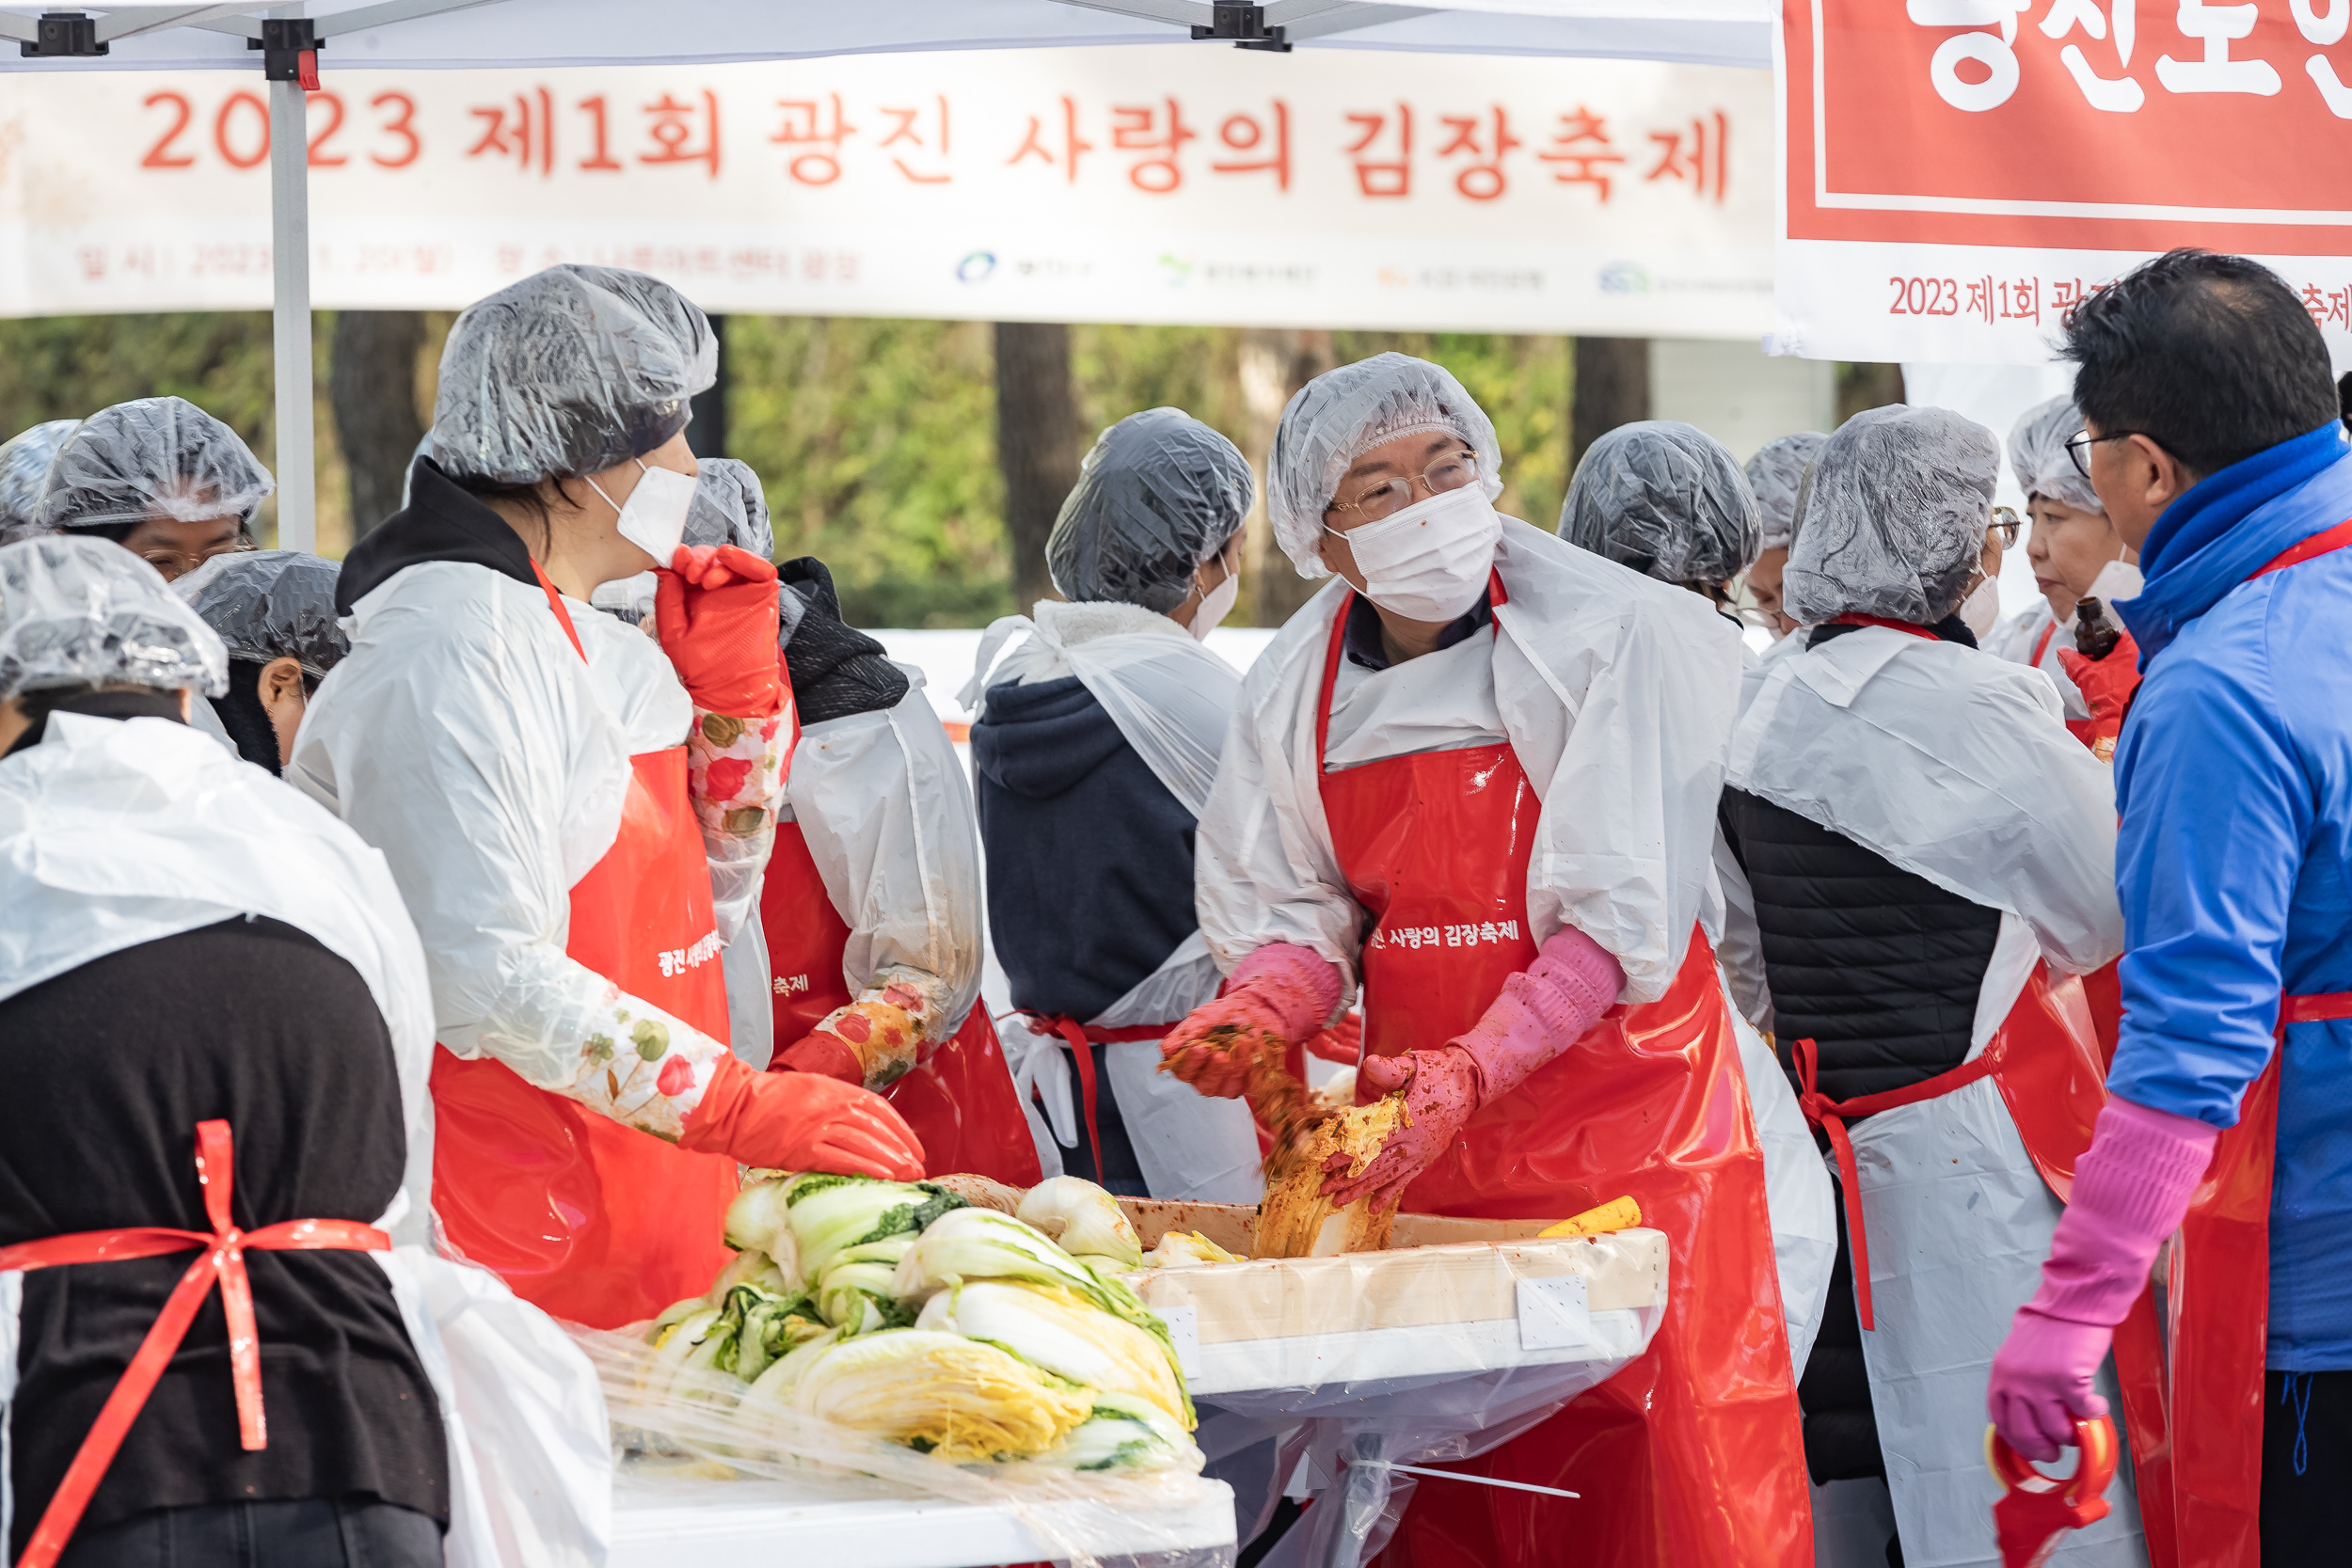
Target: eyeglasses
<point x="1391" y="496"/>
<point x="2008" y="525"/>
<point x="2078" y="446"/>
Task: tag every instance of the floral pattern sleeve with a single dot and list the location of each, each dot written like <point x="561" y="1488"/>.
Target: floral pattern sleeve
<point x="894" y="1025"/>
<point x="640" y="1066"/>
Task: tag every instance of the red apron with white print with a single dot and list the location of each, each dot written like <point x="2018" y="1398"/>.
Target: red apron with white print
<point x="960" y="1103"/>
<point x="588" y="1219"/>
<point x="1692" y="1456"/>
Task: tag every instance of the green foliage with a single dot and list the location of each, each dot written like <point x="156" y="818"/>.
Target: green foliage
<point x="875" y="439"/>
<point x="876" y="443"/>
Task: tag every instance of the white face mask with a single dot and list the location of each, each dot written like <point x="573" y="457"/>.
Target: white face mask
<point x="1981" y="609"/>
<point x="1430" y="561"/>
<point x="655" y="519"/>
<point x="1217" y="604"/>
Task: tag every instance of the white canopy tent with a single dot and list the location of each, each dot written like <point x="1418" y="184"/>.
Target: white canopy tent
<point x="288" y="41"/>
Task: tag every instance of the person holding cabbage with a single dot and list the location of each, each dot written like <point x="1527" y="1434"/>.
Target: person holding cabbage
<point x="578" y="822"/>
<point x="1477" y="776"/>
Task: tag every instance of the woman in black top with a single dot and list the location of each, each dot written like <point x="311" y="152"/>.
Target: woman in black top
<point x="189" y="941"/>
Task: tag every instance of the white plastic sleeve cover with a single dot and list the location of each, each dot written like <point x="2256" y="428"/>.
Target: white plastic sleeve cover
<point x="466" y="739"/>
<point x="886" y="812"/>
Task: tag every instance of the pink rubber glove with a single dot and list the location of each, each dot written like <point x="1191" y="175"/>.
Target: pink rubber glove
<point x="1281" y="990"/>
<point x="1540" y="1012"/>
<point x="2132" y="1187"/>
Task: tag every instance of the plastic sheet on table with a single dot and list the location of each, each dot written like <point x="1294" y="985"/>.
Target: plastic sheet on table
<point x="692" y="1425"/>
<point x="1462" y="1335"/>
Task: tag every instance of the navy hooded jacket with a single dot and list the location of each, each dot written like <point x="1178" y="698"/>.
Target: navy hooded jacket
<point x="1090" y="856"/>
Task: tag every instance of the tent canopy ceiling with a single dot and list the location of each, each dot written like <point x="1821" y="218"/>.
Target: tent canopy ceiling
<point x="458" y="34"/>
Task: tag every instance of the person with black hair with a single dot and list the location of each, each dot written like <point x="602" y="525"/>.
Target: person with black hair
<point x="2213" y="437"/>
<point x="274" y="611"/>
<point x="160" y="477"/>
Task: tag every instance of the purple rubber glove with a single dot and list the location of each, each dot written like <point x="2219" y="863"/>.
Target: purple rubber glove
<point x="2132" y="1187"/>
<point x="1540" y="1012"/>
<point x="1281" y="990"/>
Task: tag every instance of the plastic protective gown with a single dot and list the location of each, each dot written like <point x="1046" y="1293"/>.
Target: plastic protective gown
<point x="1952" y="765"/>
<point x="114" y="833"/>
<point x="1614" y="696"/>
<point x="467" y="738"/>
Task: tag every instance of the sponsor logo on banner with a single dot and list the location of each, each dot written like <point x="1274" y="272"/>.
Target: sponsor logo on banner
<point x="1958" y="172"/>
<point x="1172" y="183"/>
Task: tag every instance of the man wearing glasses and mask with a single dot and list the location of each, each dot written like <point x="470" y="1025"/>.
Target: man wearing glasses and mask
<point x="1476" y="776"/>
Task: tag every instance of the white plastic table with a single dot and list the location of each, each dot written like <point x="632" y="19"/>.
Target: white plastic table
<point x="683" y="1521"/>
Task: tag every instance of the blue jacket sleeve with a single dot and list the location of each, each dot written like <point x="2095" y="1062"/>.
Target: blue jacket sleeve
<point x="2216" y="808"/>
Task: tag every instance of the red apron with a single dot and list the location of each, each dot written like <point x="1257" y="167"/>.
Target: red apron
<point x="585" y="1217"/>
<point x="961" y="1103"/>
<point x="2218" y="1296"/>
<point x="1691" y="1456"/>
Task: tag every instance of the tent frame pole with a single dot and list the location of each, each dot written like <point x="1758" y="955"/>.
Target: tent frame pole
<point x="289" y="259"/>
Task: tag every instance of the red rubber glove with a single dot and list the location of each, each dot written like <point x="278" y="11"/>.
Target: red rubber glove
<point x="1281" y="990"/>
<point x="823" y="1054"/>
<point x="1440" y="1094"/>
<point x="716" y="611"/>
<point x="801" y="1122"/>
<point x="2107" y="684"/>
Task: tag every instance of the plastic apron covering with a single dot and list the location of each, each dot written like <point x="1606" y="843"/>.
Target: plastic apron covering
<point x="1798" y="1194"/>
<point x="595" y="1221"/>
<point x="960" y="1103"/>
<point x="1693" y="1454"/>
<point x="1960" y="1193"/>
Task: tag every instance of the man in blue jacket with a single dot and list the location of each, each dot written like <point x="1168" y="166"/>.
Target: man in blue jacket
<point x="2213" y="439"/>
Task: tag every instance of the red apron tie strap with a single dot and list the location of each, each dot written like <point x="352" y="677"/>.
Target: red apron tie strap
<point x="2314" y="1007"/>
<point x="222" y="1258"/>
<point x="562" y="616"/>
<point x="1830" y="1115"/>
<point x="1080" y="1036"/>
<point x="1909" y="627"/>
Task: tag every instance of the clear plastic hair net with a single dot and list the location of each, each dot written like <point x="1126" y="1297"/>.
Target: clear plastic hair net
<point x="23" y="464"/>
<point x="572" y="371"/>
<point x="1893" y="518"/>
<point x="271" y="604"/>
<point x="1342" y="414"/>
<point x="1776" y="473"/>
<point x="153" y="457"/>
<point x="2036" y="453"/>
<point x="1159" y="494"/>
<point x="75" y="611"/>
<point x="729" y="508"/>
<point x="1665" y="499"/>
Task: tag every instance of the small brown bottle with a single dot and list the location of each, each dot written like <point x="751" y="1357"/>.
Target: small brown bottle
<point x="2095" y="633"/>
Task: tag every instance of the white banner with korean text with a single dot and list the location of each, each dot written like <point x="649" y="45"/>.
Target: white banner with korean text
<point x="1956" y="173"/>
<point x="1177" y="185"/>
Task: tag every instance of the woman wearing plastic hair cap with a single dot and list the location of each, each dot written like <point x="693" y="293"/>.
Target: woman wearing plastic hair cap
<point x="1478" y="774"/>
<point x="23" y="464"/>
<point x="160" y="477"/>
<point x="1668" y="499"/>
<point x="1932" y="860"/>
<point x="580" y="815"/>
<point x="1776" y="475"/>
<point x="274" y="610"/>
<point x="1093" y="754"/>
<point x="184" y="935"/>
<point x="2077" y="554"/>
